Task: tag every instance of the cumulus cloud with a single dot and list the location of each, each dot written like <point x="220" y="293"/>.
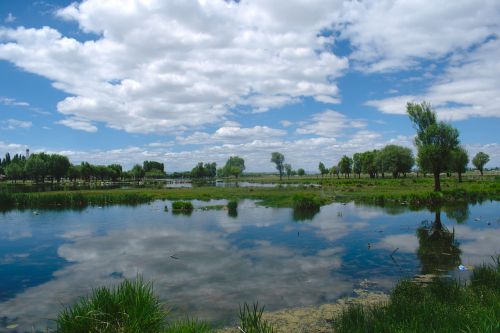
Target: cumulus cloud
<point x="469" y="87"/>
<point x="12" y="102"/>
<point x="330" y="124"/>
<point x="156" y="66"/>
<point x="232" y="134"/>
<point x="78" y="124"/>
<point x="393" y="35"/>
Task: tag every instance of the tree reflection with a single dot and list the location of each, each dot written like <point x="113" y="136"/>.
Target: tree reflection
<point x="459" y="212"/>
<point x="303" y="214"/>
<point x="438" y="250"/>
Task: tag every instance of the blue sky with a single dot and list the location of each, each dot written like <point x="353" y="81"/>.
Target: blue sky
<point x="182" y="82"/>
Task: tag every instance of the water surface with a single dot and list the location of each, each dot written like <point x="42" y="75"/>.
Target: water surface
<point x="207" y="263"/>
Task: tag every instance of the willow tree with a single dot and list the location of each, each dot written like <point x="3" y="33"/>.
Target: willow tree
<point x="435" y="140"/>
<point x="278" y="159"/>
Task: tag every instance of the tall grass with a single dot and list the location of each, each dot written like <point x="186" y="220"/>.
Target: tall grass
<point x="251" y="320"/>
<point x="188" y="326"/>
<point x="443" y="305"/>
<point x="129" y="308"/>
<point x="232" y="208"/>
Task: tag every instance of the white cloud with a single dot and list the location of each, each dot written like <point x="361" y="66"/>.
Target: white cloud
<point x="12" y="102"/>
<point x="392" y="35"/>
<point x="330" y="124"/>
<point x="9" y="18"/>
<point x="78" y="124"/>
<point x="158" y="66"/>
<point x="286" y="123"/>
<point x="12" y="124"/>
<point x="232" y="134"/>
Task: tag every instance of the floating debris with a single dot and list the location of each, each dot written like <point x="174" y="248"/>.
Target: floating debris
<point x="174" y="257"/>
<point x="11" y="326"/>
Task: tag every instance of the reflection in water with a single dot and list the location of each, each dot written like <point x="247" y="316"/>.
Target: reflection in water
<point x="459" y="212"/>
<point x="303" y="214"/>
<point x="438" y="250"/>
<point x="206" y="264"/>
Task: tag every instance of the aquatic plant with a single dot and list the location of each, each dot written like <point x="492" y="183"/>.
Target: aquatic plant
<point x="182" y="207"/>
<point x="188" y="326"/>
<point x="251" y="320"/>
<point x="129" y="307"/>
<point x="443" y="305"/>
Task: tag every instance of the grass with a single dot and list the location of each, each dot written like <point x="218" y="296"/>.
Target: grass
<point x="443" y="305"/>
<point x="130" y="307"/>
<point x="414" y="192"/>
<point x="182" y="207"/>
<point x="251" y="319"/>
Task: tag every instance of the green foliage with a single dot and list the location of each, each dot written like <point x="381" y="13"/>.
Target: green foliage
<point x="305" y="207"/>
<point x="278" y="159"/>
<point x="188" y="326"/>
<point x="137" y="172"/>
<point x="130" y="307"/>
<point x="480" y="161"/>
<point x="58" y="166"/>
<point x="207" y="170"/>
<point x="459" y="161"/>
<point x="183" y="207"/>
<point x="368" y="163"/>
<point x="36" y="167"/>
<point x="435" y="141"/>
<point x="345" y="165"/>
<point x="357" y="165"/>
<point x="322" y="169"/>
<point x="301" y="172"/>
<point x="251" y="320"/>
<point x="153" y="165"/>
<point x="14" y="171"/>
<point x="288" y="169"/>
<point x="442" y="305"/>
<point x="235" y="166"/>
<point x="396" y="159"/>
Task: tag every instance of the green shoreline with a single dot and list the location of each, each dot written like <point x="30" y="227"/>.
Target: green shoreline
<point x="414" y="192"/>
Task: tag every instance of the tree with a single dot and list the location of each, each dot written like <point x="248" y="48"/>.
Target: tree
<point x="235" y="166"/>
<point x="397" y="159"/>
<point x="368" y="163"/>
<point x="137" y="172"/>
<point x="152" y="165"/>
<point x="115" y="171"/>
<point x="459" y="161"/>
<point x="345" y="165"/>
<point x="14" y="171"/>
<point x="334" y="170"/>
<point x="300" y="172"/>
<point x="58" y="166"/>
<point x="74" y="172"/>
<point x="86" y="171"/>
<point x="278" y="159"/>
<point x="36" y="167"/>
<point x="322" y="169"/>
<point x="288" y="169"/>
<point x="357" y="164"/>
<point x="480" y="160"/>
<point x="198" y="171"/>
<point x="435" y="141"/>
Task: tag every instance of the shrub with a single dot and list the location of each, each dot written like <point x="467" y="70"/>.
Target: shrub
<point x="182" y="207"/>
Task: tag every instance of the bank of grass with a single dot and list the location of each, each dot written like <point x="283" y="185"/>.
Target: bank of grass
<point x="443" y="305"/>
<point x="416" y="192"/>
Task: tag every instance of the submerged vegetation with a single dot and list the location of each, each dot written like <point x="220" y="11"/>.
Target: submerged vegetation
<point x="443" y="305"/>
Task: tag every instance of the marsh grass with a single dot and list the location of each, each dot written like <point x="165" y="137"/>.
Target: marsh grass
<point x="443" y="305"/>
<point x="251" y="320"/>
<point x="129" y="307"/>
<point x="188" y="326"/>
<point x="182" y="207"/>
<point x="232" y="208"/>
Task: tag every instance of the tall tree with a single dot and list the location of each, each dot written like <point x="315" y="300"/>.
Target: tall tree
<point x="357" y="166"/>
<point x="235" y="166"/>
<point x="288" y="169"/>
<point x="58" y="166"/>
<point x="301" y="172"/>
<point x="368" y="163"/>
<point x="345" y="165"/>
<point x="36" y="167"/>
<point x="278" y="159"/>
<point x="435" y="141"/>
<point x="459" y="161"/>
<point x="397" y="160"/>
<point x="322" y="169"/>
<point x="334" y="170"/>
<point x="14" y="171"/>
<point x="480" y="160"/>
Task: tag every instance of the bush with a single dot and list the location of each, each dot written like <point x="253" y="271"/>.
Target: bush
<point x="306" y="202"/>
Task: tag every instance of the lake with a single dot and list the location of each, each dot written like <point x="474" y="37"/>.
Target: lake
<point x="207" y="263"/>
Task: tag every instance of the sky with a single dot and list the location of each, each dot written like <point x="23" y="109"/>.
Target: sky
<point x="183" y="81"/>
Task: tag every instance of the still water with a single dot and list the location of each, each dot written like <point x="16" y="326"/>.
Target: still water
<point x="207" y="263"/>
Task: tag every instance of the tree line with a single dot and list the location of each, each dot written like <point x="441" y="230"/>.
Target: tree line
<point x="438" y="151"/>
